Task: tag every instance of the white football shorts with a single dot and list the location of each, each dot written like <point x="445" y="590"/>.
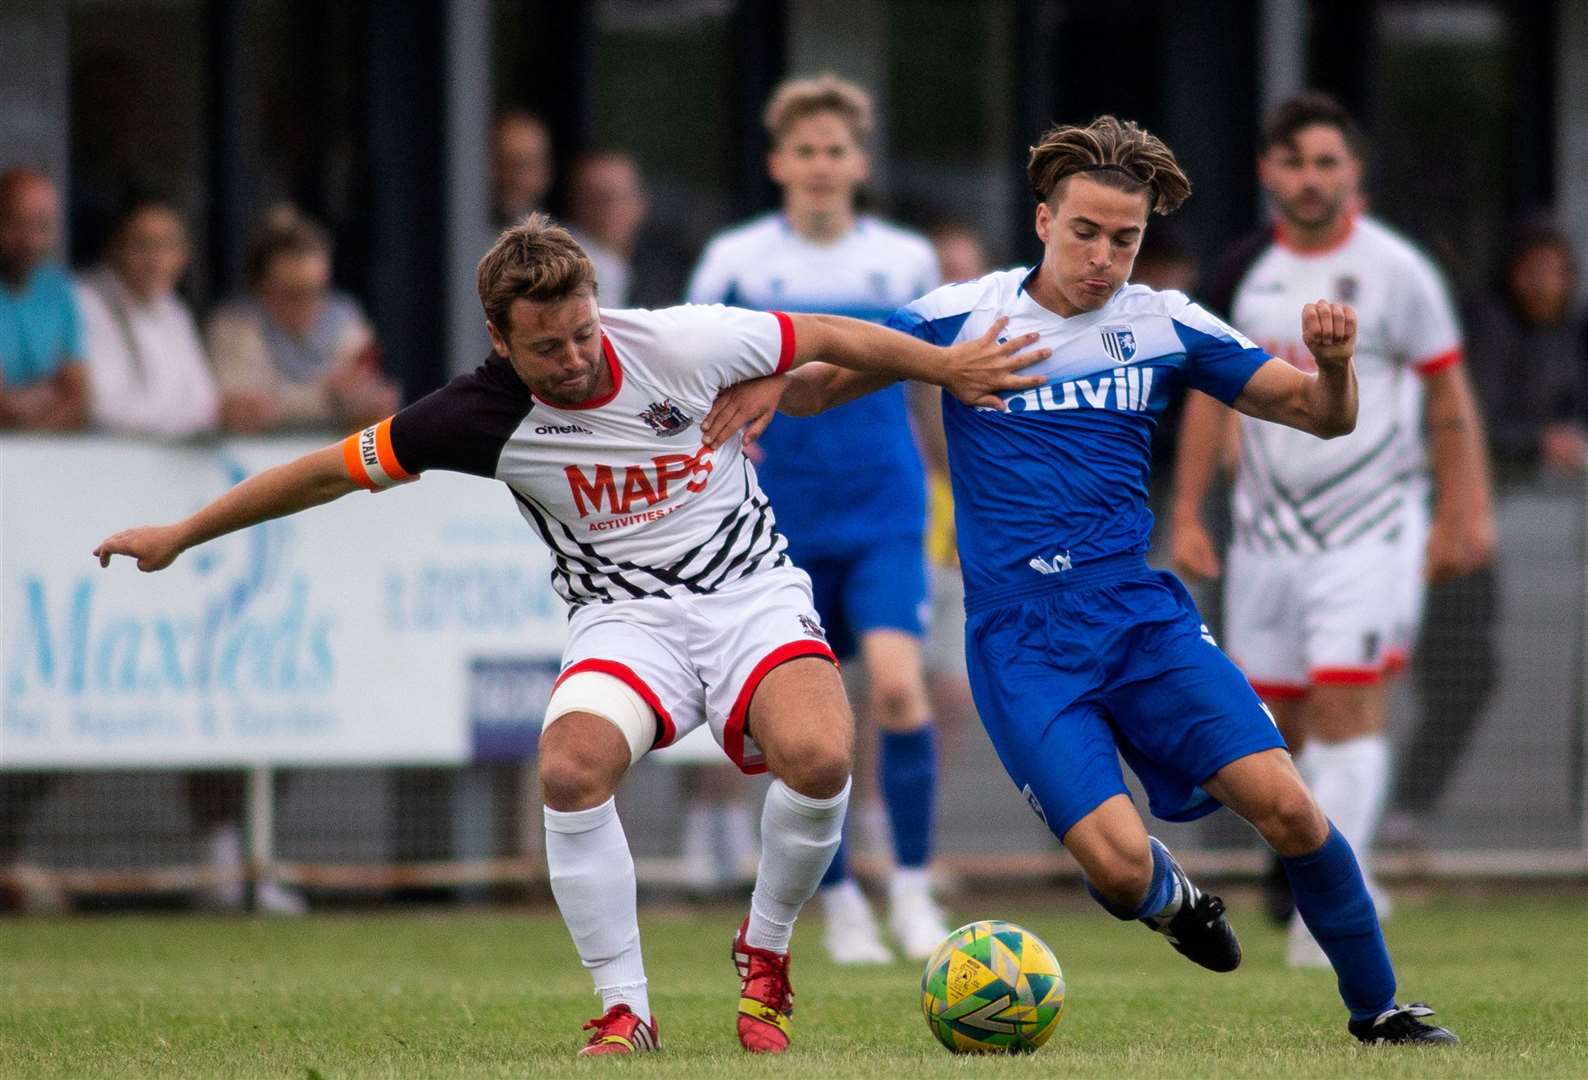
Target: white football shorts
<point x="1296" y="621"/>
<point x="699" y="659"/>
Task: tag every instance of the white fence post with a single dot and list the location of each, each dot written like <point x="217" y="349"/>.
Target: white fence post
<point x="261" y="825"/>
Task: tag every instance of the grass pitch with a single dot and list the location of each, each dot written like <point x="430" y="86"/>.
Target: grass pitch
<point x="502" y="995"/>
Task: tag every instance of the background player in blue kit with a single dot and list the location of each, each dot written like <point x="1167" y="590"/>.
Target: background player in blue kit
<point x="849" y="486"/>
<point x="1078" y="651"/>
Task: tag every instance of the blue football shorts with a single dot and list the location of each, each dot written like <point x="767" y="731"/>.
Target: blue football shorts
<point x="1070" y="678"/>
<point x="880" y="586"/>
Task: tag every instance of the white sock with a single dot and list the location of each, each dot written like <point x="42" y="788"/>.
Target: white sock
<point x="843" y="898"/>
<point x="909" y="883"/>
<point x="798" y="837"/>
<point x="1350" y="780"/>
<point x="592" y="877"/>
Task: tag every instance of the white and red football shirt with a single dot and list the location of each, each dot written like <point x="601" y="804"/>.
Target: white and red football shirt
<point x="1294" y="492"/>
<point x="620" y="488"/>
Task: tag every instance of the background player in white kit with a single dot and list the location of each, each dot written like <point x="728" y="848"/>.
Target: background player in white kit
<point x="1331" y="540"/>
<point x="860" y="533"/>
<point x="686" y="610"/>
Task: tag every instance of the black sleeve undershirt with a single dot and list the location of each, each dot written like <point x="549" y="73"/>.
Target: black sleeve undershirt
<point x="463" y="426"/>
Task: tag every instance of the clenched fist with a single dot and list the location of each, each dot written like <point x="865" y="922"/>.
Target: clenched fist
<point x="1329" y="332"/>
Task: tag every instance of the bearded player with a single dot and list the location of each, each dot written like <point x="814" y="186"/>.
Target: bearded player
<point x="1078" y="651"/>
<point x="1332" y="541"/>
<point x="686" y="610"/>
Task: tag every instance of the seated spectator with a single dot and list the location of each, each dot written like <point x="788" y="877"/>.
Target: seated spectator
<point x="1524" y="353"/>
<point x="606" y="207"/>
<point x="147" y="370"/>
<point x="521" y="166"/>
<point x="294" y="353"/>
<point x="43" y="384"/>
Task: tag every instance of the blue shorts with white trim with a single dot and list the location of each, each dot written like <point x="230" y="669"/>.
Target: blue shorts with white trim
<point x="879" y="586"/>
<point x="1105" y="660"/>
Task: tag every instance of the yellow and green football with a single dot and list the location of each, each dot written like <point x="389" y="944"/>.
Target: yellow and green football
<point x="992" y="988"/>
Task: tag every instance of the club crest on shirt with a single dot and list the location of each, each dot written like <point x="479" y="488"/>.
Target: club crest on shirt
<point x="1119" y="342"/>
<point x="1345" y="289"/>
<point x="812" y="628"/>
<point x="665" y="418"/>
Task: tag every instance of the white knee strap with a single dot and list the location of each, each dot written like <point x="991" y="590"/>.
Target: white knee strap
<point x="609" y="697"/>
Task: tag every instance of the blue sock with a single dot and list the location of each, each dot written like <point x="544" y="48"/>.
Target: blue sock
<point x="1159" y="894"/>
<point x="1333" y="901"/>
<point x="838" y="869"/>
<point x="907" y="761"/>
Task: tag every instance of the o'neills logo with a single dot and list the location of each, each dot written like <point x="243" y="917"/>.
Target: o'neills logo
<point x="562" y="429"/>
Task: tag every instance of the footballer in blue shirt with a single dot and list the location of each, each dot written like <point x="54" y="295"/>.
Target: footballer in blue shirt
<point x="860" y="533"/>
<point x="1079" y="652"/>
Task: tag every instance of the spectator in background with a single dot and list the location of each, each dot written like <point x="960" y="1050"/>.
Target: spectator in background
<point x="522" y="166"/>
<point x="294" y="353"/>
<point x="1528" y="368"/>
<point x="607" y="206"/>
<point x="147" y="370"/>
<point x="43" y="384"/>
<point x="43" y="387"/>
<point x="1527" y="362"/>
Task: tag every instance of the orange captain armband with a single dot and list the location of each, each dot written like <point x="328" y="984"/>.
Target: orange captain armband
<point x="369" y="458"/>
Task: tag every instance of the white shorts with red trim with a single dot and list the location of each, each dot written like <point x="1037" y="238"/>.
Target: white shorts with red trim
<point x="699" y="659"/>
<point x="1296" y="621"/>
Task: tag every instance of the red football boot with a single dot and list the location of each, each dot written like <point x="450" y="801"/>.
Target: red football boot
<point x="766" y="999"/>
<point x="620" y="1031"/>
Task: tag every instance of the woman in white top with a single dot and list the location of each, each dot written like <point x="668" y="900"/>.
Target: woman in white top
<point x="148" y="373"/>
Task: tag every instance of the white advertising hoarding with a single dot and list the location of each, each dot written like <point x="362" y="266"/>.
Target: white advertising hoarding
<point x="376" y="629"/>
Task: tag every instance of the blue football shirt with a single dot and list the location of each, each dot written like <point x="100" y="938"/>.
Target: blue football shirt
<point x="853" y="475"/>
<point x="1061" y="478"/>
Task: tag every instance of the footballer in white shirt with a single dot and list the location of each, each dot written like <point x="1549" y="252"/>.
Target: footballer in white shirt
<point x="686" y="611"/>
<point x="1332" y="542"/>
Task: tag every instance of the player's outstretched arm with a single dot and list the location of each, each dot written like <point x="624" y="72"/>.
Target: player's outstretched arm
<point x="815" y="387"/>
<point x="1323" y="404"/>
<point x="975" y="371"/>
<point x="840" y="359"/>
<point x="285" y="489"/>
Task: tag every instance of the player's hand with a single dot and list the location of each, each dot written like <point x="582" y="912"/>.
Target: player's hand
<point x="977" y="371"/>
<point x="1193" y="550"/>
<point x="1329" y="332"/>
<point x="1459" y="545"/>
<point x="154" y="546"/>
<point x="747" y="406"/>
